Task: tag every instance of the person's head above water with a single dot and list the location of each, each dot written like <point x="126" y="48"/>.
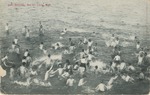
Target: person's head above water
<point x="49" y="55"/>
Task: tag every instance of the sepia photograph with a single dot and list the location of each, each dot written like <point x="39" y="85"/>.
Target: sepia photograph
<point x="75" y="47"/>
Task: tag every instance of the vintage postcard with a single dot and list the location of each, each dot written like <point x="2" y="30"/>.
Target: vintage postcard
<point x="75" y="47"/>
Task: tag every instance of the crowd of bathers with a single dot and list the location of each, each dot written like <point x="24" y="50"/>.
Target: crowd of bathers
<point x="80" y="65"/>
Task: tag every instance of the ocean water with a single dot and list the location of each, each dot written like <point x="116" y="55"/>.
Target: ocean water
<point x="116" y="14"/>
